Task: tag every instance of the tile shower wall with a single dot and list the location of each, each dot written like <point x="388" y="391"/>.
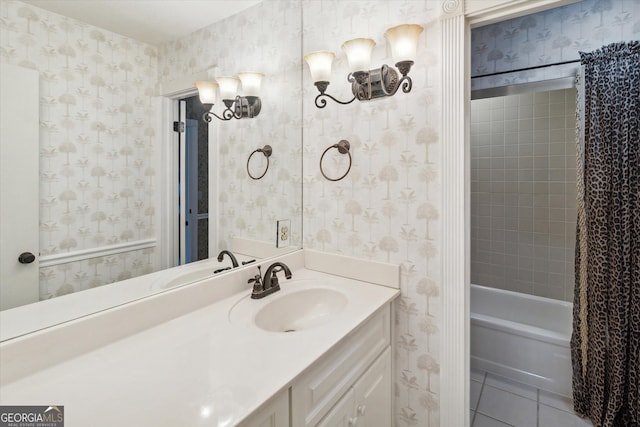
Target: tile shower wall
<point x="523" y="195"/>
<point x="388" y="207"/>
<point x="98" y="163"/>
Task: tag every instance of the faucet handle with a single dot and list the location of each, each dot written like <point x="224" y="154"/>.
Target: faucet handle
<point x="257" y="284"/>
<point x="258" y="287"/>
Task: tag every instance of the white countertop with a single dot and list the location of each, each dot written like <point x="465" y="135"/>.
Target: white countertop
<point x="199" y="369"/>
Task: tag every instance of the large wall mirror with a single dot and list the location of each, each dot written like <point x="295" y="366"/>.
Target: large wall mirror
<point x="109" y="163"/>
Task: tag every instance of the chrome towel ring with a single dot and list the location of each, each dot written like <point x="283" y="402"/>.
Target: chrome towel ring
<point x="343" y="147"/>
<point x="266" y="150"/>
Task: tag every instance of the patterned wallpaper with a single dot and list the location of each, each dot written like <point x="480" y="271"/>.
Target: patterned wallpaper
<point x="98" y="163"/>
<point x="387" y="208"/>
<point x="549" y="37"/>
<point x="264" y="38"/>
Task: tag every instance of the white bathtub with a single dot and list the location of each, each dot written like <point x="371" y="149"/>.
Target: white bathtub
<point x="522" y="337"/>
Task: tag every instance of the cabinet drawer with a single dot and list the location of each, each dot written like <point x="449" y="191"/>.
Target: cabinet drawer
<point x="322" y="385"/>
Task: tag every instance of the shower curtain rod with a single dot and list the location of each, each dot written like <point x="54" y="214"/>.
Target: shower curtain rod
<point x="526" y="69"/>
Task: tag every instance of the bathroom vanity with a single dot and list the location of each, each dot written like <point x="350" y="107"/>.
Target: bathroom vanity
<point x="315" y="353"/>
<point x="348" y="386"/>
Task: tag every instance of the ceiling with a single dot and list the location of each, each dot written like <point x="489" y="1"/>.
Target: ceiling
<point x="150" y="21"/>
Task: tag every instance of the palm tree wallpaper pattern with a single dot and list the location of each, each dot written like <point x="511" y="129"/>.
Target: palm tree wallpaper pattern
<point x="388" y="207"/>
<point x="98" y="163"/>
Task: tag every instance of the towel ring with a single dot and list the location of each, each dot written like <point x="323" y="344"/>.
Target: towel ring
<point x="343" y="148"/>
<point x="266" y="150"/>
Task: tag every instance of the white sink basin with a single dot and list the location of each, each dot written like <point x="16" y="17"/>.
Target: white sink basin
<point x="295" y="308"/>
<point x="300" y="310"/>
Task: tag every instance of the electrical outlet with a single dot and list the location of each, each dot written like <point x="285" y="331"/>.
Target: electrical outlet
<point x="283" y="236"/>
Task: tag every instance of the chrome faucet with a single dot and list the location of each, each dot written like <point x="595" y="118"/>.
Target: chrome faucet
<point x="268" y="285"/>
<point x="234" y="261"/>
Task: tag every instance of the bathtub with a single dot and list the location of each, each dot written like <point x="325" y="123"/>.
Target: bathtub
<point x="522" y="337"/>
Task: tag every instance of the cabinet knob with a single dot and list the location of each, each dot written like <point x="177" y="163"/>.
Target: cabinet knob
<point x="361" y="409"/>
<point x="26" y="258"/>
<point x="353" y="421"/>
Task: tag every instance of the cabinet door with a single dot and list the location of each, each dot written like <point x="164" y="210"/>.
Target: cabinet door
<point x="342" y="414"/>
<point x="373" y="394"/>
<point x="316" y="391"/>
<point x="275" y="413"/>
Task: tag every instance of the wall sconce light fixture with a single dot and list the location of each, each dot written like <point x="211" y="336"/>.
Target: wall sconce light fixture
<point x="368" y="84"/>
<point x="237" y="107"/>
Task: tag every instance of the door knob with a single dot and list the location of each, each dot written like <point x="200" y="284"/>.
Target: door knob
<point x="26" y="258"/>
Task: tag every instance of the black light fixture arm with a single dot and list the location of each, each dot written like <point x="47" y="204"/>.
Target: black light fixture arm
<point x="405" y="81"/>
<point x="239" y="108"/>
<point x="321" y="102"/>
<point x="209" y="115"/>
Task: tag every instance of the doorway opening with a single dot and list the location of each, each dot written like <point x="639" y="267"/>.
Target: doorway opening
<point x="193" y="182"/>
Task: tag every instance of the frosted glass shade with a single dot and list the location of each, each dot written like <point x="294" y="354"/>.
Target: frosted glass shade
<point x="358" y="53"/>
<point x="228" y="87"/>
<point x="404" y="41"/>
<point x="250" y="83"/>
<point x="320" y="65"/>
<point x="207" y="92"/>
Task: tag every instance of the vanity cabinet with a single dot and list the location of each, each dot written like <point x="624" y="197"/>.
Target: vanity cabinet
<point x="274" y="413"/>
<point x="347" y="387"/>
<point x="351" y="383"/>
<point x="368" y="402"/>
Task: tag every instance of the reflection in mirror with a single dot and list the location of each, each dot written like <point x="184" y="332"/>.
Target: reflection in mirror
<point x="103" y="132"/>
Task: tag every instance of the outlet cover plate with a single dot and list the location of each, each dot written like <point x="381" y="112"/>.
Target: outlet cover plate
<point x="283" y="236"/>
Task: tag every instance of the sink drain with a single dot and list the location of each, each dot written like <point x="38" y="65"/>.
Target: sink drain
<point x="289" y="330"/>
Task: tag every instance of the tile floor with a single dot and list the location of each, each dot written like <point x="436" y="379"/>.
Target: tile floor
<point x="500" y="402"/>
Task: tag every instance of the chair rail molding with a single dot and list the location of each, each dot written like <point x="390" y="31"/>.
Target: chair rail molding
<point x="457" y="17"/>
<point x="84" y="254"/>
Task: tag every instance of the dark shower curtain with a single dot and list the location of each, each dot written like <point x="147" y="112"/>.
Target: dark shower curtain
<point x="605" y="344"/>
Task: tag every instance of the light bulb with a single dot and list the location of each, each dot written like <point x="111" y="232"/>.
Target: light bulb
<point x="404" y="41"/>
<point x="320" y="65"/>
<point x="250" y="83"/>
<point x="358" y="53"/>
<point x="207" y="92"/>
<point x="228" y="87"/>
